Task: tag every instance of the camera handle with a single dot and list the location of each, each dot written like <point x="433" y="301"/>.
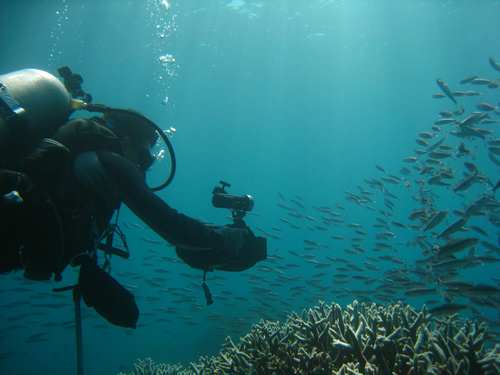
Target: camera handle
<point x="238" y="216"/>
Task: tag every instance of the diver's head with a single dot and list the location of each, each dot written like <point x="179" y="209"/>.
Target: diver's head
<point x="137" y="135"/>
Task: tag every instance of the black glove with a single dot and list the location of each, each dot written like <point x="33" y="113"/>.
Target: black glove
<point x="241" y="249"/>
<point x="234" y="239"/>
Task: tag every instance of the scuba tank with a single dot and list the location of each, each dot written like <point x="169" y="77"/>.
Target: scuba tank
<point x="33" y="104"/>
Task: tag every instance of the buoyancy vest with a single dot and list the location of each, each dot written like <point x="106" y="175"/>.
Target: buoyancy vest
<point x="85" y="215"/>
<point x="60" y="219"/>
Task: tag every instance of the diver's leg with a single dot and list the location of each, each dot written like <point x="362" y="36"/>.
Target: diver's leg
<point x="10" y="243"/>
<point x="42" y="242"/>
<point x="28" y="240"/>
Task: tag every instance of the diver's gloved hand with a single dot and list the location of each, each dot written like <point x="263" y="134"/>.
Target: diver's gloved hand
<point x="234" y="238"/>
<point x="240" y="249"/>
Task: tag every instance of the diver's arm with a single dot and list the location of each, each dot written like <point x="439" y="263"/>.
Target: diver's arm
<point x="176" y="228"/>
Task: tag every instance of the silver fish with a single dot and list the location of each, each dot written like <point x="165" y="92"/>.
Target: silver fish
<point x="410" y="159"/>
<point x="436" y="145"/>
<point x="468" y="80"/>
<point x="439" y="154"/>
<point x="455" y="227"/>
<point x="492" y="157"/>
<point x="462" y="150"/>
<point x="485" y="106"/>
<point x="447" y="309"/>
<point x="472" y="93"/>
<point x="483" y="290"/>
<point x="495" y="65"/>
<point x="425" y="135"/>
<point x="420" y="291"/>
<point x="471" y="167"/>
<point x="480" y="81"/>
<point x="421" y="142"/>
<point x="494" y="150"/>
<point x="456" y="245"/>
<point x="465" y="183"/>
<point x="475" y="228"/>
<point x="435" y="220"/>
<point x="470" y="120"/>
<point x="494" y="84"/>
<point x="444" y="121"/>
<point x="446" y="90"/>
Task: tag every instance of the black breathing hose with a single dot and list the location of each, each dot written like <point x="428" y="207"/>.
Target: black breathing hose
<point x="104" y="109"/>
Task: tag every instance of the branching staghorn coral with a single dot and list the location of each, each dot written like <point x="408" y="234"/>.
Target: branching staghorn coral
<point x="148" y="367"/>
<point x="363" y="338"/>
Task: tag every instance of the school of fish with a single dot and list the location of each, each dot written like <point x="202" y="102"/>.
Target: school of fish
<point x="419" y="256"/>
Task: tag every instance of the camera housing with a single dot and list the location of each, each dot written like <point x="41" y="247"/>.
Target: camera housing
<point x="238" y="204"/>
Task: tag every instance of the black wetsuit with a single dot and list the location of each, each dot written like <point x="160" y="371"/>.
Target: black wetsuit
<point x="78" y="185"/>
<point x="69" y="187"/>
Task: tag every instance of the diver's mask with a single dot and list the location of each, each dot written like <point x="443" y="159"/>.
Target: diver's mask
<point x="137" y="137"/>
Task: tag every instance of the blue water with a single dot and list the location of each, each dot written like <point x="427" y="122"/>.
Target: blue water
<point x="298" y="97"/>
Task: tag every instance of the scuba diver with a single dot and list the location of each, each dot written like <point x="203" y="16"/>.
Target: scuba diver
<point x="62" y="180"/>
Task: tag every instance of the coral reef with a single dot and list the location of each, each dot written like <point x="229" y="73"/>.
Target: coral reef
<point x="363" y="338"/>
<point x="148" y="367"/>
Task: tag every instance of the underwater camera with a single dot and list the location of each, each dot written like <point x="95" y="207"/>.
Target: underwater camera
<point x="238" y="204"/>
